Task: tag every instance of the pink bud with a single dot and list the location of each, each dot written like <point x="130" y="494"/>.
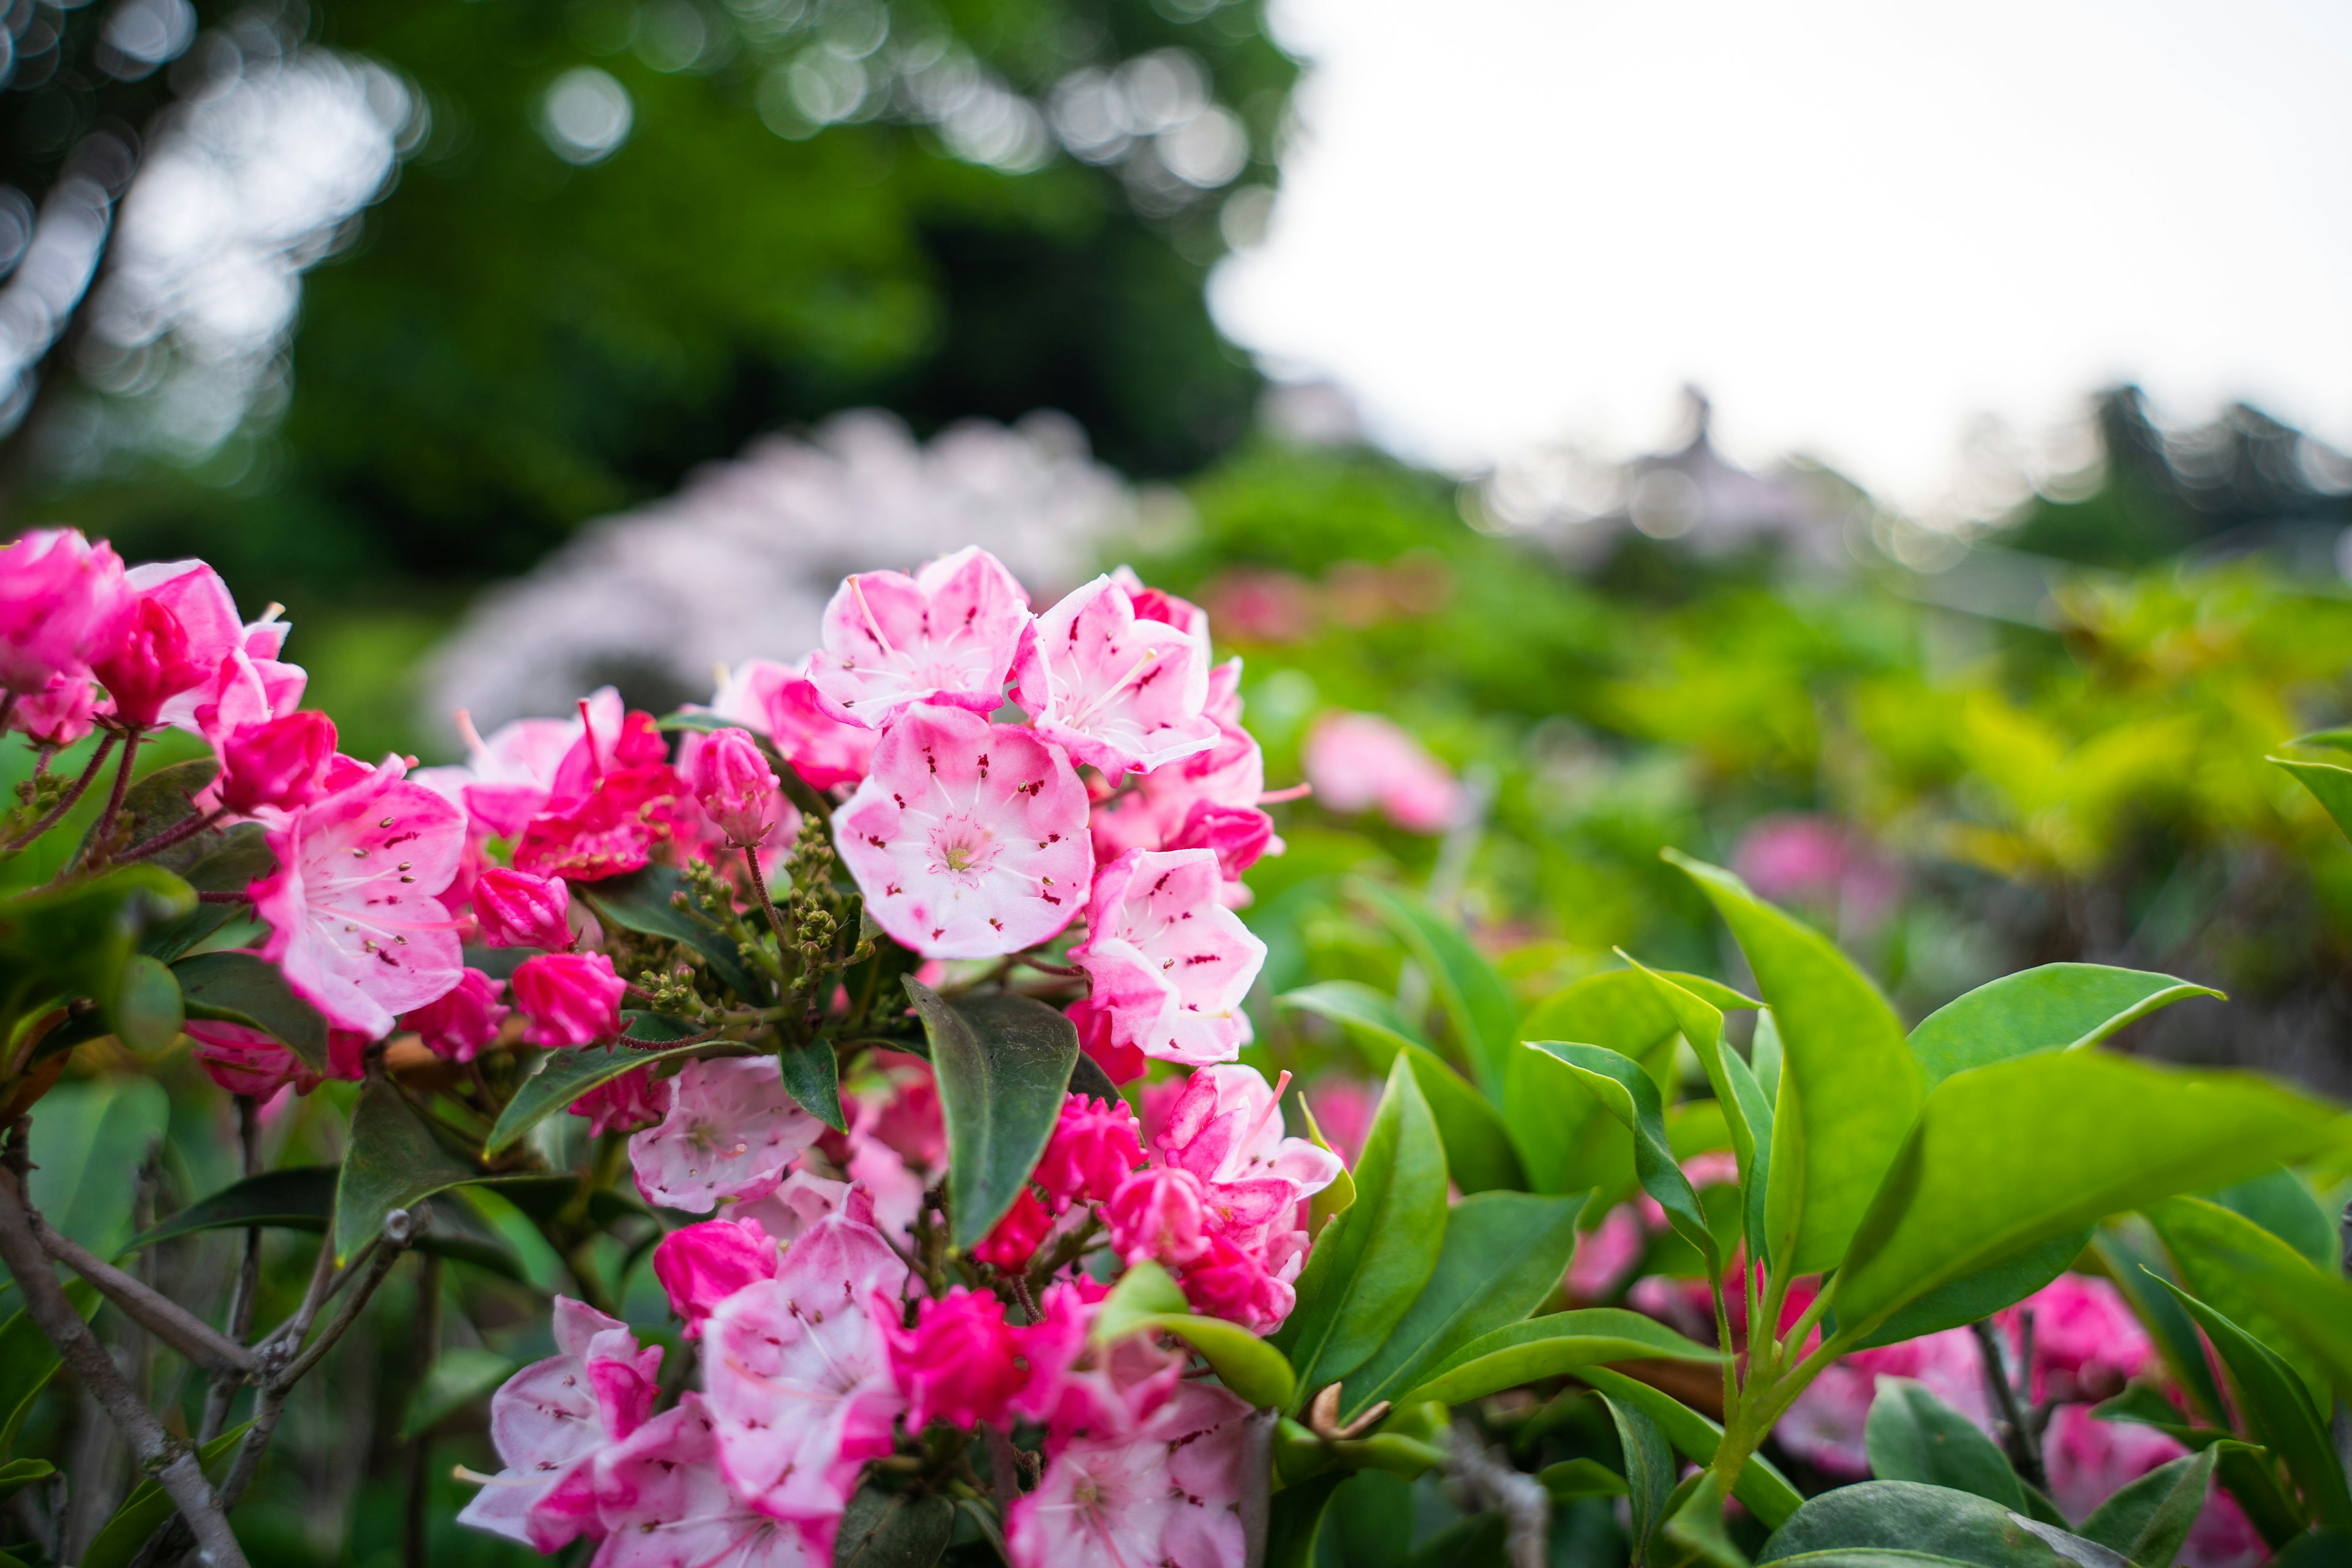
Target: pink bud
<point x="1120" y="1064"/>
<point x="1014" y="1241"/>
<point x="148" y="665"/>
<point x="461" y="1021"/>
<point x="573" y="999"/>
<point x="1230" y="1283"/>
<point x="702" y="1265"/>
<point x="60" y="713"/>
<point x="1094" y="1147"/>
<point x="347" y="1054"/>
<point x="1157" y="1212"/>
<point x="956" y="1364"/>
<point x="1239" y="834"/>
<point x="736" y="787"/>
<point x="279" y="763"/>
<point x="62" y="602"/>
<point x="515" y="909"/>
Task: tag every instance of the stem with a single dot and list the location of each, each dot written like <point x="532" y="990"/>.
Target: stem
<point x="144" y="1305"/>
<point x="248" y="1275"/>
<point x="71" y="798"/>
<point x="114" y="800"/>
<point x="2023" y="1451"/>
<point x="767" y="904"/>
<point x="415" y="1537"/>
<point x="179" y="831"/>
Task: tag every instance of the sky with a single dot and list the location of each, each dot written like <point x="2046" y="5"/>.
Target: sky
<point x="1862" y="229"/>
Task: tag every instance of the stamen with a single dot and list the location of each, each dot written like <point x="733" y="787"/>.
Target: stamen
<point x="1087" y="712"/>
<point x="858" y="589"/>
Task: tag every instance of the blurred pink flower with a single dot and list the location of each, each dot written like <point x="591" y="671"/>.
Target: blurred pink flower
<point x="700" y="1266"/>
<point x="623" y="1104"/>
<point x="1168" y="1491"/>
<point x="57" y="714"/>
<point x="660" y="1494"/>
<point x="280" y="764"/>
<point x="243" y="680"/>
<point x="729" y="1131"/>
<point x="1606" y="1254"/>
<point x="2089" y="1460"/>
<point x="462" y="1020"/>
<point x="1824" y="1426"/>
<point x="1207" y="801"/>
<point x="1344" y="1108"/>
<point x="1013" y="1240"/>
<point x="1358" y="760"/>
<point x="957" y="1363"/>
<point x="62" y="604"/>
<point x="245" y="1060"/>
<point x="2086" y="1342"/>
<point x="1807" y="858"/>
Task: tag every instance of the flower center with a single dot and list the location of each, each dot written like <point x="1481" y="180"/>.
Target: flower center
<point x="963" y="847"/>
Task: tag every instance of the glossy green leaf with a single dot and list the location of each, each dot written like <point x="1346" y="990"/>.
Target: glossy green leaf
<point x="90" y="1139"/>
<point x="458" y="1376"/>
<point x="2329" y="784"/>
<point x="2280" y="1202"/>
<point x="813" y="1078"/>
<point x="1983" y="1293"/>
<point x="146" y="1007"/>
<point x="1547" y="1346"/>
<point x="1650" y="1471"/>
<point x="393" y="1160"/>
<point x="240" y="988"/>
<point x="15" y="1475"/>
<point x="1582" y="1477"/>
<point x="1897" y="1518"/>
<point x="1504" y="1254"/>
<point x="2009" y="1156"/>
<point x="27" y="1362"/>
<point x="1146" y="1299"/>
<point x="1762" y="1486"/>
<point x="2278" y="1408"/>
<point x="1478" y="1152"/>
<point x="642" y="901"/>
<point x="2149" y="1520"/>
<point x="163" y="798"/>
<point x="893" y="1530"/>
<point x="563" y="1078"/>
<point x="2263" y="1286"/>
<point x="1003" y="1065"/>
<point x="1476" y="1000"/>
<point x="148" y="1506"/>
<point x="1373" y="1260"/>
<point x="1847" y="1077"/>
<point x="1294" y="1529"/>
<point x="2056" y="1007"/>
<point x="1627" y="1093"/>
<point x="1565" y="1142"/>
<point x="2134" y="1260"/>
<point x="1912" y="1435"/>
<point x="1739" y="1099"/>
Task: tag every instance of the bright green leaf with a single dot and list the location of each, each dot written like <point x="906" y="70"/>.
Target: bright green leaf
<point x="1003" y="1065"/>
<point x="1739" y="1098"/>
<point x="1475" y="998"/>
<point x="1912" y="1435"/>
<point x="1694" y="1525"/>
<point x="1765" y="1490"/>
<point x="2266" y="1288"/>
<point x="2132" y="1258"/>
<point x="1982" y="1293"/>
<point x="2278" y="1408"/>
<point x="2059" y="1006"/>
<point x="1549" y="1346"/>
<point x="1626" y="1092"/>
<point x="1147" y="1300"/>
<point x="1340" y="1194"/>
<point x="146" y="1008"/>
<point x="2329" y="784"/>
<point x="2149" y="1520"/>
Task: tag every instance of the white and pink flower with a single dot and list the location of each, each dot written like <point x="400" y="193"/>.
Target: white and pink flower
<point x="1169" y="962"/>
<point x="1122" y="693"/>
<point x="946" y="635"/>
<point x="729" y="1131"/>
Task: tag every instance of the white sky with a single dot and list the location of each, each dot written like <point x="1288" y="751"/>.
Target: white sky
<point x="1859" y="225"/>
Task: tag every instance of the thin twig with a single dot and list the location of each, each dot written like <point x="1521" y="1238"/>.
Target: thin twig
<point x="415" y="1533"/>
<point x="180" y="832"/>
<point x="2023" y="1451"/>
<point x="71" y="798"/>
<point x="760" y="887"/>
<point x="98" y="835"/>
<point x="223" y="1393"/>
<point x="144" y="1305"/>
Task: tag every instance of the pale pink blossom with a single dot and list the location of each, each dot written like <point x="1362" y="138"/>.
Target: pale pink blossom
<point x="1159" y="810"/>
<point x="1170" y="964"/>
<point x="62" y="604"/>
<point x="568" y="999"/>
<point x="1122" y="694"/>
<point x="784" y="705"/>
<point x="700" y="1266"/>
<point x="957" y="1363"/>
<point x="947" y="636"/>
<point x="245" y="681"/>
<point x="660" y="1494"/>
<point x="506" y="780"/>
<point x="1358" y="760"/>
<point x="353" y="916"/>
<point x="735" y="787"/>
<point x="1094" y="1145"/>
<point x="461" y="1021"/>
<point x="801" y="1202"/>
<point x="1168" y="1493"/>
<point x="796" y="1374"/>
<point x="551" y="1419"/>
<point x="1606" y="1254"/>
<point x="245" y="1060"/>
<point x="969" y="839"/>
<point x="730" y="1130"/>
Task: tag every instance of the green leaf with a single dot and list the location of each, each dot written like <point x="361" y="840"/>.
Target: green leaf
<point x="1003" y="1065"/>
<point x="563" y="1078"/>
<point x="1504" y="1254"/>
<point x="1627" y="1093"/>
<point x="1582" y="1477"/>
<point x="72" y="939"/>
<point x="1650" y="1471"/>
<point x="2149" y="1520"/>
<point x="1475" y="998"/>
<point x="2278" y="1408"/>
<point x="2009" y="1156"/>
<point x="458" y="1376"/>
<point x="1983" y="1293"/>
<point x="1696" y="1525"/>
<point x="241" y="988"/>
<point x="231" y="862"/>
<point x="1765" y="1490"/>
<point x="148" y="1506"/>
<point x="146" y="1008"/>
<point x="641" y="901"/>
<point x="2251" y="1476"/>
<point x="15" y="1475"/>
<point x="2315" y="1548"/>
<point x="1478" y="1153"/>
<point x="893" y="1530"/>
<point x="1146" y="1299"/>
<point x="393" y="1160"/>
<point x="90" y="1141"/>
<point x="2280" y="1202"/>
<point x="2329" y="784"/>
<point x="1912" y="1435"/>
<point x="2059" y="1006"/>
<point x="27" y="1362"/>
<point x="1902" y="1517"/>
<point x="165" y="798"/>
<point x="1340" y="1195"/>
<point x="813" y="1078"/>
<point x="1739" y="1098"/>
<point x="1565" y="1141"/>
<point x="2263" y="1286"/>
<point x="302" y="1197"/>
<point x="1849" y="1087"/>
<point x="1295" y="1521"/>
<point x="2131" y="1257"/>
<point x="1373" y="1260"/>
<point x="1547" y="1346"/>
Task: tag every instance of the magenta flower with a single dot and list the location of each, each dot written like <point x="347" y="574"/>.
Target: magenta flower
<point x="245" y="1060"/>
<point x="1169" y="1491"/>
<point x="661" y="1496"/>
<point x="1120" y="1064"/>
<point x="1160" y="1212"/>
<point x="700" y="1266"/>
<point x="2086" y="1342"/>
<point x="63" y="601"/>
<point x="957" y="1363"/>
<point x="969" y="839"/>
<point x="1230" y="1283"/>
<point x="515" y="909"/>
<point x="735" y="787"/>
<point x="550" y="1421"/>
<point x="729" y="1131"/>
<point x="1170" y="964"/>
<point x="784" y="705"/>
<point x="1358" y="760"/>
<point x="461" y="1021"/>
<point x="1123" y="694"/>
<point x="353" y="916"/>
<point x="147" y="666"/>
<point x="60" y="713"/>
<point x="570" y="999"/>
<point x="280" y="764"/>
<point x="1013" y="1240"/>
<point x="244" y="681"/>
<point x="1096" y="1146"/>
<point x="946" y="636"/>
<point x="623" y="1104"/>
<point x="1226" y="1130"/>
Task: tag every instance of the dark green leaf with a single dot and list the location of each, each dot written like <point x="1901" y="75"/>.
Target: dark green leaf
<point x="1849" y="1087"/>
<point x="641" y="901"/>
<point x="393" y="1160"/>
<point x="2280" y="1202"/>
<point x="27" y="1362"/>
<point x="1983" y="1293"/>
<point x="2315" y="1548"/>
<point x="2251" y="1476"/>
<point x="1912" y="1435"/>
<point x="813" y="1078"/>
<point x="1294" y="1520"/>
<point x="1582" y="1477"/>
<point x="1626" y="1092"/>
<point x="1765" y="1490"/>
<point x="1373" y="1260"/>
<point x="1475" y="998"/>
<point x="2149" y="1520"/>
<point x="1650" y="1471"/>
<point x="1902" y="1517"/>
<point x="2056" y="1007"/>
<point x="2143" y="1404"/>
<point x="1504" y="1254"/>
<point x="2278" y="1408"/>
<point x="564" y="1076"/>
<point x="2265" y="1286"/>
<point x="1087" y="1078"/>
<point x="1146" y="1299"/>
<point x="15" y="1475"/>
<point x="302" y="1197"/>
<point x="458" y="1376"/>
<point x="162" y="799"/>
<point x="1547" y="1346"/>
<point x="146" y="1011"/>
<point x="893" y="1530"/>
<point x="2131" y="1257"/>
<point x="1003" y="1064"/>
<point x="71" y="940"/>
<point x="2329" y="784"/>
<point x="232" y="862"/>
<point x="148" y="1506"/>
<point x="240" y="988"/>
<point x="1695" y="1524"/>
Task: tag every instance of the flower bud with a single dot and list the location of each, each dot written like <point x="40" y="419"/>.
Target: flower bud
<point x="957" y="1363"/>
<point x="148" y="665"/>
<point x="279" y="763"/>
<point x="736" y="787"/>
<point x="62" y="600"/>
<point x="1230" y="1283"/>
<point x="702" y="1265"/>
<point x="1094" y="1147"/>
<point x="1014" y="1240"/>
<point x="573" y="999"/>
<point x="461" y="1021"/>
<point x="515" y="909"/>
<point x="60" y="713"/>
<point x="1157" y="1212"/>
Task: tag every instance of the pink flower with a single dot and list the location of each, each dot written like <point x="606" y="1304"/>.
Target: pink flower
<point x="550" y="1421"/>
<point x="1170" y="964"/>
<point x="461" y="1021"/>
<point x="947" y="636"/>
<point x="506" y="780"/>
<point x="1226" y="1130"/>
<point x="1160" y="1212"/>
<point x="1013" y="1240"/>
<point x="957" y="1363"/>
<point x="347" y="1054"/>
<point x="736" y="787"/>
<point x="247" y="1061"/>
<point x="606" y="830"/>
<point x="1798" y="857"/>
<point x="1229" y="1283"/>
<point x="570" y="998"/>
<point x="1344" y="1108"/>
<point x="63" y="601"/>
<point x="1238" y="835"/>
<point x="1077" y="1388"/>
<point x="244" y="681"/>
<point x="1606" y="1254"/>
<point x="280" y="763"/>
<point x="908" y="1121"/>
<point x="60" y="713"/>
<point x="1825" y="1424"/>
<point x="1122" y="694"/>
<point x="633" y="1099"/>
<point x="2086" y="1344"/>
<point x="1358" y="761"/>
<point x="353" y="919"/>
<point x="1120" y="1064"/>
<point x="969" y="839"/>
<point x="701" y="1265"/>
<point x="797" y="1375"/>
<point x="660" y="1494"/>
<point x="147" y="666"/>
<point x="1152" y="810"/>
<point x="784" y="705"/>
<point x="1169" y="1492"/>
<point x="2089" y="1460"/>
<point x="730" y="1130"/>
<point x="1094" y="1148"/>
<point x="801" y="1203"/>
<point x="515" y="909"/>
